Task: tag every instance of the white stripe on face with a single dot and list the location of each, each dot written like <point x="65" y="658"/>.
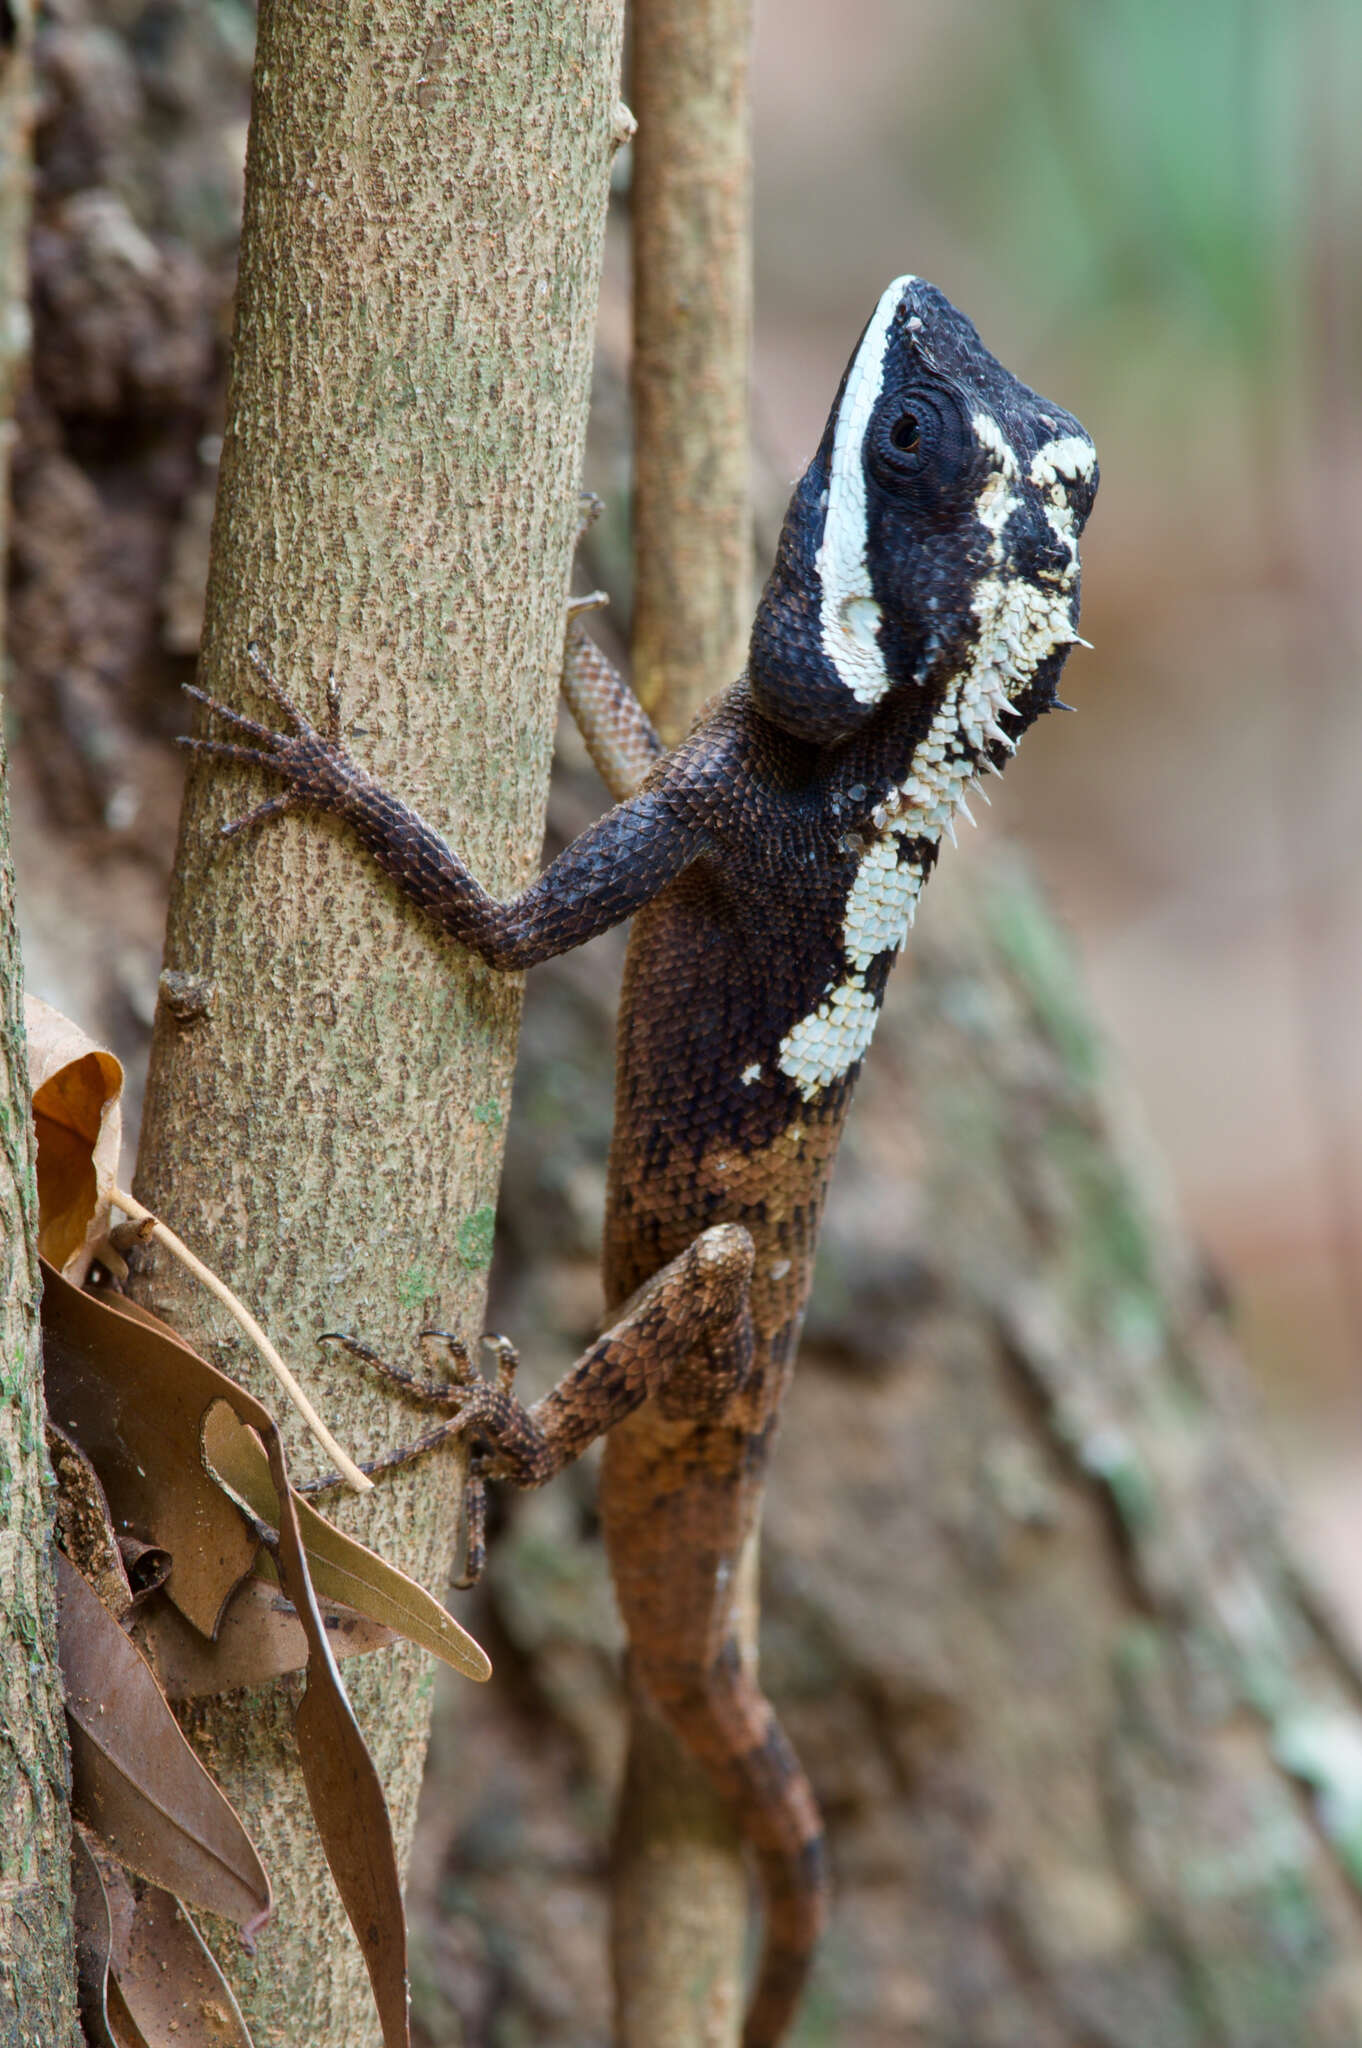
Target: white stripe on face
<point x="848" y="615"/>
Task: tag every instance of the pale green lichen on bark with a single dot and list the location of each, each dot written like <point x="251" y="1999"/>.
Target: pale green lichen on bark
<point x="475" y="1235"/>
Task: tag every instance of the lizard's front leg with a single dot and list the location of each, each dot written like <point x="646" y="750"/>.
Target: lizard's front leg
<point x="608" y="872"/>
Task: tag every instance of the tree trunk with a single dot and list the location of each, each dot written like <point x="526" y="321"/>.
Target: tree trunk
<point x="680" y="1906"/>
<point x="37" y="1978"/>
<point x="1090" y="1753"/>
<point x="692" y="242"/>
<point x="419" y="268"/>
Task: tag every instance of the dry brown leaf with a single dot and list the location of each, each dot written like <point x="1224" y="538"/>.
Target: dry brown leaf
<point x="347" y="1798"/>
<point x="135" y="1780"/>
<point x="260" y="1637"/>
<point x="343" y="1788"/>
<point x="133" y="1398"/>
<point x="171" y="1988"/>
<point x="76" y="1111"/>
<point x="341" y="1569"/>
<point x="147" y="1566"/>
<point x="126" y="2032"/>
<point x="146" y="1979"/>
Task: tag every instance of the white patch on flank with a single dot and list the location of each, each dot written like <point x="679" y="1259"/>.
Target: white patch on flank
<point x="750" y="1074"/>
<point x="829" y="1041"/>
<point x="1021" y="623"/>
<point x="848" y="615"/>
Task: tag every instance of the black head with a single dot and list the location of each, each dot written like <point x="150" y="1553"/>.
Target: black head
<point x="931" y="546"/>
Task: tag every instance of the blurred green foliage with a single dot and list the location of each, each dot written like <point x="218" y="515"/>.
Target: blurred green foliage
<point x="1198" y="164"/>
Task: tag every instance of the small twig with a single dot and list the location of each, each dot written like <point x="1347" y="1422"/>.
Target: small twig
<point x="346" y="1466"/>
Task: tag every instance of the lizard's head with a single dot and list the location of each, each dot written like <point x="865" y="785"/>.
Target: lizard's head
<point x="931" y="547"/>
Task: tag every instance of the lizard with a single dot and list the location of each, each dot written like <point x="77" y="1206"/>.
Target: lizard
<point x="922" y="602"/>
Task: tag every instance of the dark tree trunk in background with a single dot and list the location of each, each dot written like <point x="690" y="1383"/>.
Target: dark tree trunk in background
<point x="1084" y="1744"/>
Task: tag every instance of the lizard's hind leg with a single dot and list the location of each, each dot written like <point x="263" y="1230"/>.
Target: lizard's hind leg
<point x="685" y="1337"/>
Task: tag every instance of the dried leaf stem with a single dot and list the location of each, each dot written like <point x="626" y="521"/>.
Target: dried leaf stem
<point x="242" y="1316"/>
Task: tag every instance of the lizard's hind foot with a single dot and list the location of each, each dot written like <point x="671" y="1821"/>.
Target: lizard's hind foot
<point x="503" y="1442"/>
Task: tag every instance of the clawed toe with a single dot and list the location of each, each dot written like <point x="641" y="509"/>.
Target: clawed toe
<point x="274" y="689"/>
<point x="226" y="750"/>
<point x="594" y="601"/>
<point x="273" y="807"/>
<point x="229" y="715"/>
<point x="589" y="510"/>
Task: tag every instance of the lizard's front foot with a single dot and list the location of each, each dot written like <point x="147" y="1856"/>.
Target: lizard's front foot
<point x="314" y="765"/>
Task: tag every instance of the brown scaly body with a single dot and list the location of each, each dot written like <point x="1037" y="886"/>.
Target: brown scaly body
<point x="926" y="587"/>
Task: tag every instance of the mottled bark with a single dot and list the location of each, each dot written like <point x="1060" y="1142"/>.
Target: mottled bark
<point x="37" y="1979"/>
<point x="419" y="268"/>
<point x="680" y="1885"/>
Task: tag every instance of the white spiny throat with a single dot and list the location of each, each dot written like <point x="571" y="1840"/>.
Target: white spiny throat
<point x="1021" y="622"/>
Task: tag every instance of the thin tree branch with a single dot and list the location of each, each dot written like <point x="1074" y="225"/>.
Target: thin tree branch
<point x="680" y="1899"/>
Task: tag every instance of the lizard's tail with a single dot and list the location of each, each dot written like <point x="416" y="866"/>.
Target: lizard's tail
<point x="731" y="1730"/>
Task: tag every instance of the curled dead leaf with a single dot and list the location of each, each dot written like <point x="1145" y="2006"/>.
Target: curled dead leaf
<point x="77" y="1114"/>
<point x="146" y="1979"/>
<point x="133" y="1398"/>
<point x="343" y="1786"/>
<point x="94" y="1940"/>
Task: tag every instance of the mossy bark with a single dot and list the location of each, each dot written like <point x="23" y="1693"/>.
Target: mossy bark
<point x="37" y="1975"/>
<point x="420" y="262"/>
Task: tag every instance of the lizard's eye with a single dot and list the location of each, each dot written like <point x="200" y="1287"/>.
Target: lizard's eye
<point x="913" y="441"/>
<point x="896" y="442"/>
